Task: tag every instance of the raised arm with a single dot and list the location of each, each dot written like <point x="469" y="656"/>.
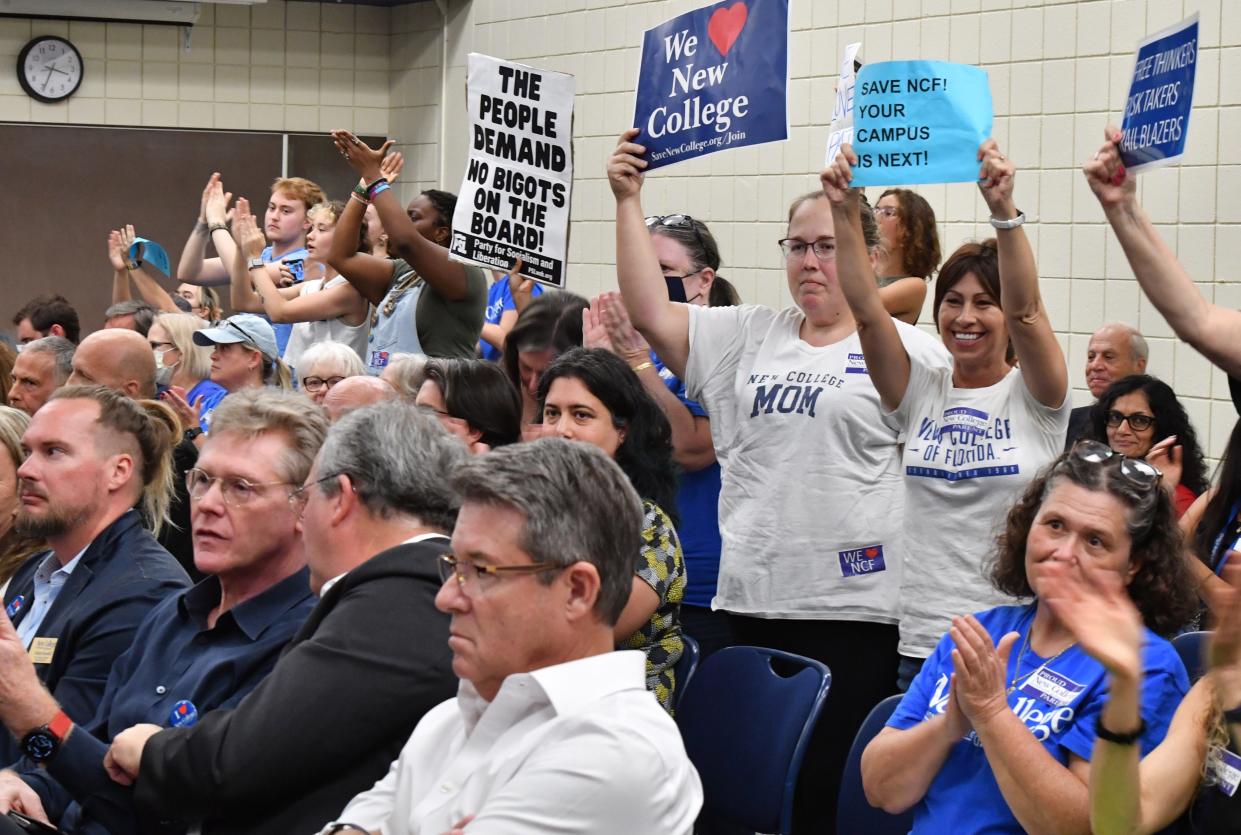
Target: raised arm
<point x="663" y="322"/>
<point x="118" y="256"/>
<point x="886" y="358"/>
<point x="1038" y="350"/>
<point x="370" y="275"/>
<point x="195" y="267"/>
<point x="1209" y="328"/>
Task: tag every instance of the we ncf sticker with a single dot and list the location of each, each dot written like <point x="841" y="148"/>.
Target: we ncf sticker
<point x="860" y="561"/>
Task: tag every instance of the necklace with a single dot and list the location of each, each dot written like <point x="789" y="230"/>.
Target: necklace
<point x="1025" y="644"/>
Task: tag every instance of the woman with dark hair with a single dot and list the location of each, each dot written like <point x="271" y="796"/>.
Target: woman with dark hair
<point x="1212" y="525"/>
<point x="424" y="302"/>
<point x="1139" y="416"/>
<point x="976" y="433"/>
<point x="591" y="395"/>
<point x="996" y="732"/>
<point x="538" y="337"/>
<point x="909" y="254"/>
<point x="473" y="400"/>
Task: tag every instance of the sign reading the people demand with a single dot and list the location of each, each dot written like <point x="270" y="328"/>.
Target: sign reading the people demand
<point x="919" y="122"/>
<point x="1160" y="96"/>
<point x="712" y="79"/>
<point x="841" y="130"/>
<point x="514" y="200"/>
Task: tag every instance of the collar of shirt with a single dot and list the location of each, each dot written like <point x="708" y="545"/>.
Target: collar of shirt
<point x="566" y="688"/>
<point x="252" y="616"/>
<point x="51" y="572"/>
<point x="327" y="584"/>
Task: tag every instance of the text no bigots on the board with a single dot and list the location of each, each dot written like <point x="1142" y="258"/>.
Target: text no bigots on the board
<point x="712" y="79"/>
<point x="919" y="122"/>
<point x="514" y="200"/>
<point x="1160" y="96"/>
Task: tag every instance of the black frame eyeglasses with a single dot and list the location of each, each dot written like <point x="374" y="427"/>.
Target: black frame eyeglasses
<point x="1138" y="422"/>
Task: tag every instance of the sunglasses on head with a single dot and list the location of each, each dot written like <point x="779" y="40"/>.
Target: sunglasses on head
<point x="1135" y="471"/>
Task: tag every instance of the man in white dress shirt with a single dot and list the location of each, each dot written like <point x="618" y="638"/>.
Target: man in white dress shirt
<point x="551" y="730"/>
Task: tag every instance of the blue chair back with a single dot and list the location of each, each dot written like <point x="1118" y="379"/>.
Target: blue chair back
<point x="1191" y="646"/>
<point x="685" y="668"/>
<point x="853" y="813"/>
<point x="746" y="719"/>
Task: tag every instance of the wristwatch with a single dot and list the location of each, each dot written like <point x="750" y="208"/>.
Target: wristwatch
<point x="192" y="433"/>
<point x="42" y="743"/>
<point x="1009" y="224"/>
<point x="255" y="263"/>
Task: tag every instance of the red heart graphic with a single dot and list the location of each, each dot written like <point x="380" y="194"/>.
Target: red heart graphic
<point x="725" y="25"/>
<point x="872" y="552"/>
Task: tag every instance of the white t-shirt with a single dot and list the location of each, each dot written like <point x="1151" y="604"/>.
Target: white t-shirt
<point x="968" y="455"/>
<point x="810" y="505"/>
<point x="306" y="334"/>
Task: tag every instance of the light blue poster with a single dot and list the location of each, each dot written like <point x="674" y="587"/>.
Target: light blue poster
<point x="919" y="122"/>
<point x="152" y="253"/>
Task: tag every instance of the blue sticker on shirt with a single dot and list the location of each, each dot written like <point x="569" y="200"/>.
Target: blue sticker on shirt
<point x="379" y="359"/>
<point x="1052" y="688"/>
<point x="16" y="606"/>
<point x="183" y="714"/>
<point x="860" y="561"/>
<point x="856" y="364"/>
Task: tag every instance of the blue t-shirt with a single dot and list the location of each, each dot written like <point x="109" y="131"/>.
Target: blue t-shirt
<point x="1058" y="700"/>
<point x="211" y="394"/>
<point x="698" y="505"/>
<point x="499" y="299"/>
<point x="283" y="331"/>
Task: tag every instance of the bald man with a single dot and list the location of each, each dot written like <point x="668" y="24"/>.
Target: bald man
<point x="118" y="358"/>
<point x="354" y="393"/>
<point x="1116" y="350"/>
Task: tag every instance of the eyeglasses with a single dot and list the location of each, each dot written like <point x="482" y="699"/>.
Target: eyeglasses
<point x="160" y="347"/>
<point x="236" y="492"/>
<point x="1138" y="422"/>
<point x="795" y="249"/>
<point x="1135" y="471"/>
<point x="470" y="576"/>
<point x="885" y="211"/>
<point x="298" y="497"/>
<point x="316" y="384"/>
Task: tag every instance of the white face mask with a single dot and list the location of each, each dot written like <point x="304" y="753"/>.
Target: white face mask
<point x="163" y="372"/>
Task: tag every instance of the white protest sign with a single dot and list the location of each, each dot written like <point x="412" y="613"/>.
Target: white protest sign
<point x="514" y="199"/>
<point x="841" y="130"/>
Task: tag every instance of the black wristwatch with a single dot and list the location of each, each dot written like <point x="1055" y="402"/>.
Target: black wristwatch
<point x="42" y="743"/>
<point x="192" y="433"/>
<point x="1103" y="733"/>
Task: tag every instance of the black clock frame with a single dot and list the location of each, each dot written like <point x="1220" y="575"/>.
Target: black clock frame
<point x="21" y="69"/>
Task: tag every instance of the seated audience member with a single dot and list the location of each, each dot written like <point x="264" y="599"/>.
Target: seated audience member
<point x="1115" y="351"/>
<point x="1139" y="416"/>
<point x="322" y="306"/>
<point x="8" y="358"/>
<point x="15" y="547"/>
<point x="999" y="739"/>
<point x="591" y="395"/>
<point x="353" y="393"/>
<point x="131" y="315"/>
<point x="424" y="302"/>
<point x="473" y="400"/>
<point x="47" y="316"/>
<point x="405" y="373"/>
<point x="370" y="661"/>
<point x="503" y="305"/>
<point x="908" y="252"/>
<point x="198" y="650"/>
<point x="97" y="464"/>
<point x="551" y="729"/>
<point x="1210" y="328"/>
<point x="42" y="367"/>
<point x="183" y="369"/>
<point x="244" y="353"/>
<point x="530" y="346"/>
<point x="1131" y="791"/>
<point x="325" y="364"/>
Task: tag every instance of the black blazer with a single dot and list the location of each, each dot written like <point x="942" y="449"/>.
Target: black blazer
<point x="328" y="721"/>
<point x="1079" y="426"/>
<point x="122" y="575"/>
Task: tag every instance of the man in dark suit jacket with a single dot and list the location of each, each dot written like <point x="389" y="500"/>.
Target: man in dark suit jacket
<point x="1116" y="350"/>
<point x="93" y="454"/>
<point x="372" y="658"/>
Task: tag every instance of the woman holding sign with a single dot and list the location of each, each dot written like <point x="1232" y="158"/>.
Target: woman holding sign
<point x="810" y="496"/>
<point x="977" y="432"/>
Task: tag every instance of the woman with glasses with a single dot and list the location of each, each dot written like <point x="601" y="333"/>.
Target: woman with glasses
<point x="183" y="369"/>
<point x="810" y="494"/>
<point x="1140" y="416"/>
<point x="591" y="395"/>
<point x="997" y="731"/>
<point x="473" y="400"/>
<point x="909" y="252"/>
<point x="976" y="433"/>
<point x="325" y="364"/>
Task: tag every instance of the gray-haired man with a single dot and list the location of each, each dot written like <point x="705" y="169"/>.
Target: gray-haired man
<point x="42" y="367"/>
<point x="1116" y="350"/>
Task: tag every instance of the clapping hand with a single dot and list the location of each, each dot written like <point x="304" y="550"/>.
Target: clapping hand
<point x="246" y="231"/>
<point x="980" y="668"/>
<point x="119" y="243"/>
<point x="594" y="334"/>
<point x="1168" y="457"/>
<point x="625" y="339"/>
<point x="1095" y="606"/>
<point x="215" y="202"/>
<point x="362" y="158"/>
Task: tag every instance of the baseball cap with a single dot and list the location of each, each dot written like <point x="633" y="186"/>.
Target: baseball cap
<point x="248" y="328"/>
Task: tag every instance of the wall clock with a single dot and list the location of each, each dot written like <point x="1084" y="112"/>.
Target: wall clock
<point x="49" y="69"/>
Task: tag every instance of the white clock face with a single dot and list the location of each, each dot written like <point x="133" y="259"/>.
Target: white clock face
<point x="51" y="69"/>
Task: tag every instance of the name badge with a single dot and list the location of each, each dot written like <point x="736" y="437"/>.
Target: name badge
<point x="42" y="650"/>
<point x="1225" y="767"/>
<point x="856" y="364"/>
<point x="861" y="561"/>
<point x="1053" y="688"/>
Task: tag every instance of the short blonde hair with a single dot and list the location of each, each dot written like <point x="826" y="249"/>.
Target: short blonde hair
<point x="299" y="188"/>
<point x="253" y="412"/>
<point x="180" y="328"/>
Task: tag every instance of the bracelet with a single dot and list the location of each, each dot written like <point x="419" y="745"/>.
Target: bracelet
<point x="132" y="265"/>
<point x="361" y="198"/>
<point x="1103" y="733"/>
<point x="642" y="366"/>
<point x="215" y="227"/>
<point x="360" y="190"/>
<point x="378" y="187"/>
<point x="1009" y="224"/>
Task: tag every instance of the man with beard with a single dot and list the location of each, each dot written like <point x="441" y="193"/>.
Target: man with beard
<point x="93" y="455"/>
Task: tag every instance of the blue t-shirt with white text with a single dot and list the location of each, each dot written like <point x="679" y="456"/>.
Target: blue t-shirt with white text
<point x="1059" y="700"/>
<point x="499" y="299"/>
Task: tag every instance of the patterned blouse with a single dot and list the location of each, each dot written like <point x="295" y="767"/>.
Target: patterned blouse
<point x="662" y="566"/>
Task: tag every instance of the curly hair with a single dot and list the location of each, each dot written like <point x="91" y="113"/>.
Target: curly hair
<point x="1162" y="588"/>
<point x="919" y="235"/>
<point x="646" y="453"/>
<point x="1170" y="419"/>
